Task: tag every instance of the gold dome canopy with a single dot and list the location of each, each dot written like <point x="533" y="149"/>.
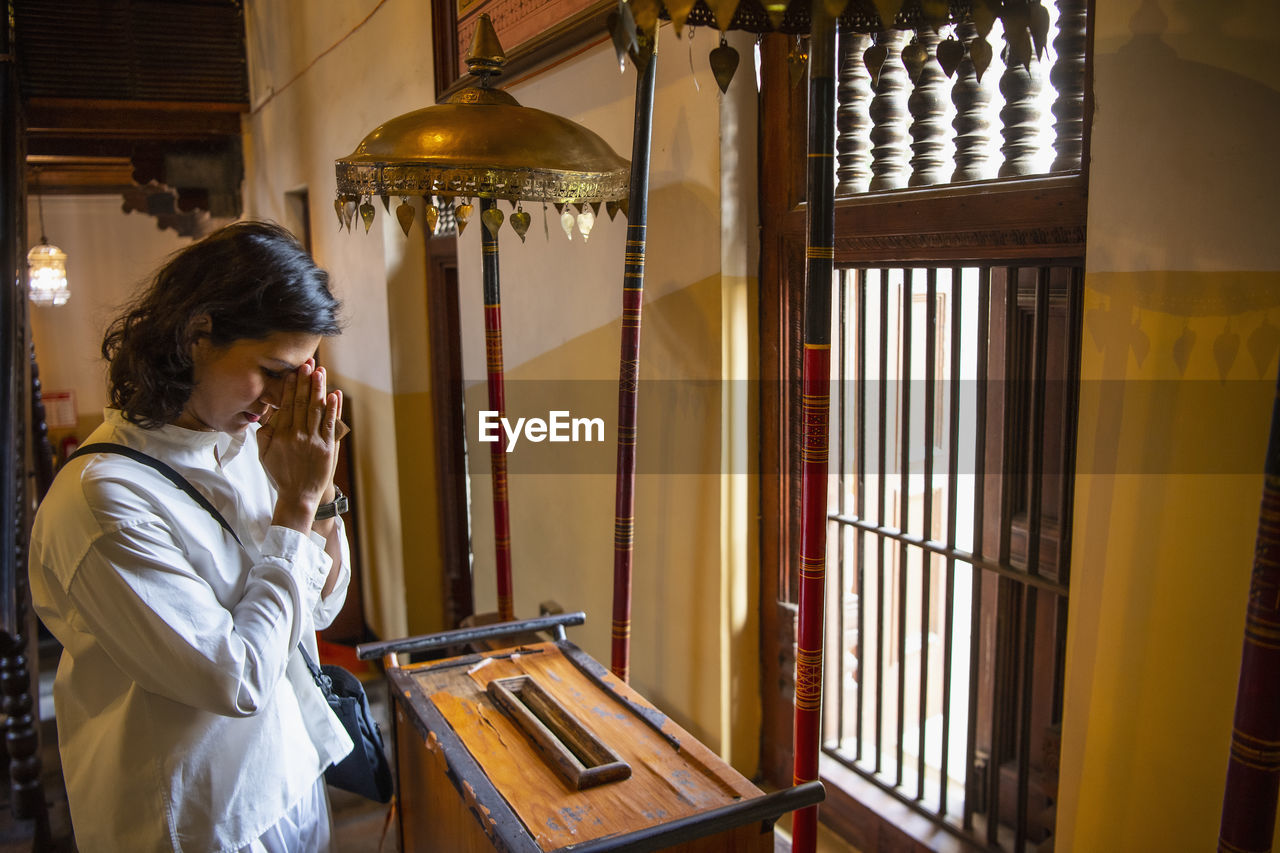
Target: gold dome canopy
<point x="482" y="143"/>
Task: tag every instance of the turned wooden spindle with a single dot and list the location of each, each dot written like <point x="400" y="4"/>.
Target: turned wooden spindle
<point x="1020" y="118"/>
<point x="971" y="98"/>
<point x="889" y="152"/>
<point x="853" y="123"/>
<point x="1067" y="77"/>
<point x="927" y="106"/>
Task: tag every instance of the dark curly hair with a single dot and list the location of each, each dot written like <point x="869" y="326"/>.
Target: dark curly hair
<point x="252" y="279"/>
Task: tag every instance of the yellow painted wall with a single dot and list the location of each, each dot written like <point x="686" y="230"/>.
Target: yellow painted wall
<point x="1178" y="374"/>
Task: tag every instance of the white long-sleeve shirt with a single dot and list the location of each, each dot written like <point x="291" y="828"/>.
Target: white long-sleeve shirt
<point x="187" y="720"/>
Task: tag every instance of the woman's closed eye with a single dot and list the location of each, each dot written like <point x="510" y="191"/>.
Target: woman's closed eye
<point x="274" y="374"/>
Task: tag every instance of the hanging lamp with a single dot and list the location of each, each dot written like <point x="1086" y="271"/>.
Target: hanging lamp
<point x="47" y="267"/>
<point x="482" y="144"/>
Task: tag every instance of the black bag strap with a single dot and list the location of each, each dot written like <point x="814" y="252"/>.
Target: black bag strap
<point x="174" y="477"/>
<point x="322" y="681"/>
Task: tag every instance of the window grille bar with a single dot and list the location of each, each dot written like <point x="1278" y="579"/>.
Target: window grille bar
<point x="1074" y="328"/>
<point x="860" y="449"/>
<point x="1041" y="582"/>
<point x="904" y="504"/>
<point x="840" y="360"/>
<point x="953" y="489"/>
<point x="1035" y="485"/>
<point x="882" y="459"/>
<point x="979" y="496"/>
<point x="926" y="559"/>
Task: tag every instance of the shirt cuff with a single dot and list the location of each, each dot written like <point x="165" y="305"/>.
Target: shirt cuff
<point x="303" y="551"/>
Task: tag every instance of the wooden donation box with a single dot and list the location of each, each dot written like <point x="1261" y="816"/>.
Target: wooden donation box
<point x="539" y="747"/>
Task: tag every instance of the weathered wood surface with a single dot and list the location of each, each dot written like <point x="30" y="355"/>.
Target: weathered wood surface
<point x="450" y="731"/>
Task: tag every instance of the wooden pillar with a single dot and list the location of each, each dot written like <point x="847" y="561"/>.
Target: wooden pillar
<point x="928" y="127"/>
<point x="889" y="117"/>
<point x="971" y="126"/>
<point x="853" y="127"/>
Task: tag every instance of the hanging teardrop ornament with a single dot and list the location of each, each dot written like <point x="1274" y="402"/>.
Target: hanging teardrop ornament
<point x="338" y="205"/>
<point x="723" y="11"/>
<point x="1039" y="26"/>
<point x="798" y="62"/>
<point x="1263" y="345"/>
<point x="367" y="211"/>
<point x="1182" y="349"/>
<point x="984" y="15"/>
<point x="679" y="11"/>
<point x="432" y="215"/>
<point x="935" y="12"/>
<point x="724" y="62"/>
<point x="520" y="222"/>
<point x="646" y="15"/>
<point x="349" y="211"/>
<point x="567" y="221"/>
<point x="405" y="214"/>
<point x="776" y="10"/>
<point x="1225" y="349"/>
<point x="980" y="54"/>
<point x="950" y="54"/>
<point x="914" y="56"/>
<point x="463" y="214"/>
<point x="492" y="218"/>
<point x="888" y="11"/>
<point x="586" y="219"/>
<point x="386" y="202"/>
<point x="874" y="57"/>
<point x="835" y="8"/>
<point x="1016" y="35"/>
<point x="622" y="29"/>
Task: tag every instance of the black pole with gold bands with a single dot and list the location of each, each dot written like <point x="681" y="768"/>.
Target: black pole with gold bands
<point x="629" y="361"/>
<point x="1253" y="771"/>
<point x="816" y="384"/>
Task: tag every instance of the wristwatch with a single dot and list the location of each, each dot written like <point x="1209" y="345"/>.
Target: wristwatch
<point x="337" y="506"/>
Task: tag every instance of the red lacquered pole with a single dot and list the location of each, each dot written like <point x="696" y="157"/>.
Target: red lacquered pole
<point x="816" y="382"/>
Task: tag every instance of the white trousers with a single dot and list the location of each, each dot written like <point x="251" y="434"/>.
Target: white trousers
<point x="305" y="828"/>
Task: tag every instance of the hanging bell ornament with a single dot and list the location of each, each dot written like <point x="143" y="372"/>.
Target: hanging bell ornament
<point x="492" y="219"/>
<point x="914" y="56"/>
<point x="463" y="214"/>
<point x="874" y="57"/>
<point x="888" y="10"/>
<point x="567" y="221"/>
<point x="586" y="219"/>
<point x="405" y="214"/>
<point x="950" y="54"/>
<point x="980" y="54"/>
<point x="724" y="62"/>
<point x="520" y="222"/>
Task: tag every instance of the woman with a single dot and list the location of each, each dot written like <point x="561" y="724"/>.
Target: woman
<point x="187" y="719"/>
